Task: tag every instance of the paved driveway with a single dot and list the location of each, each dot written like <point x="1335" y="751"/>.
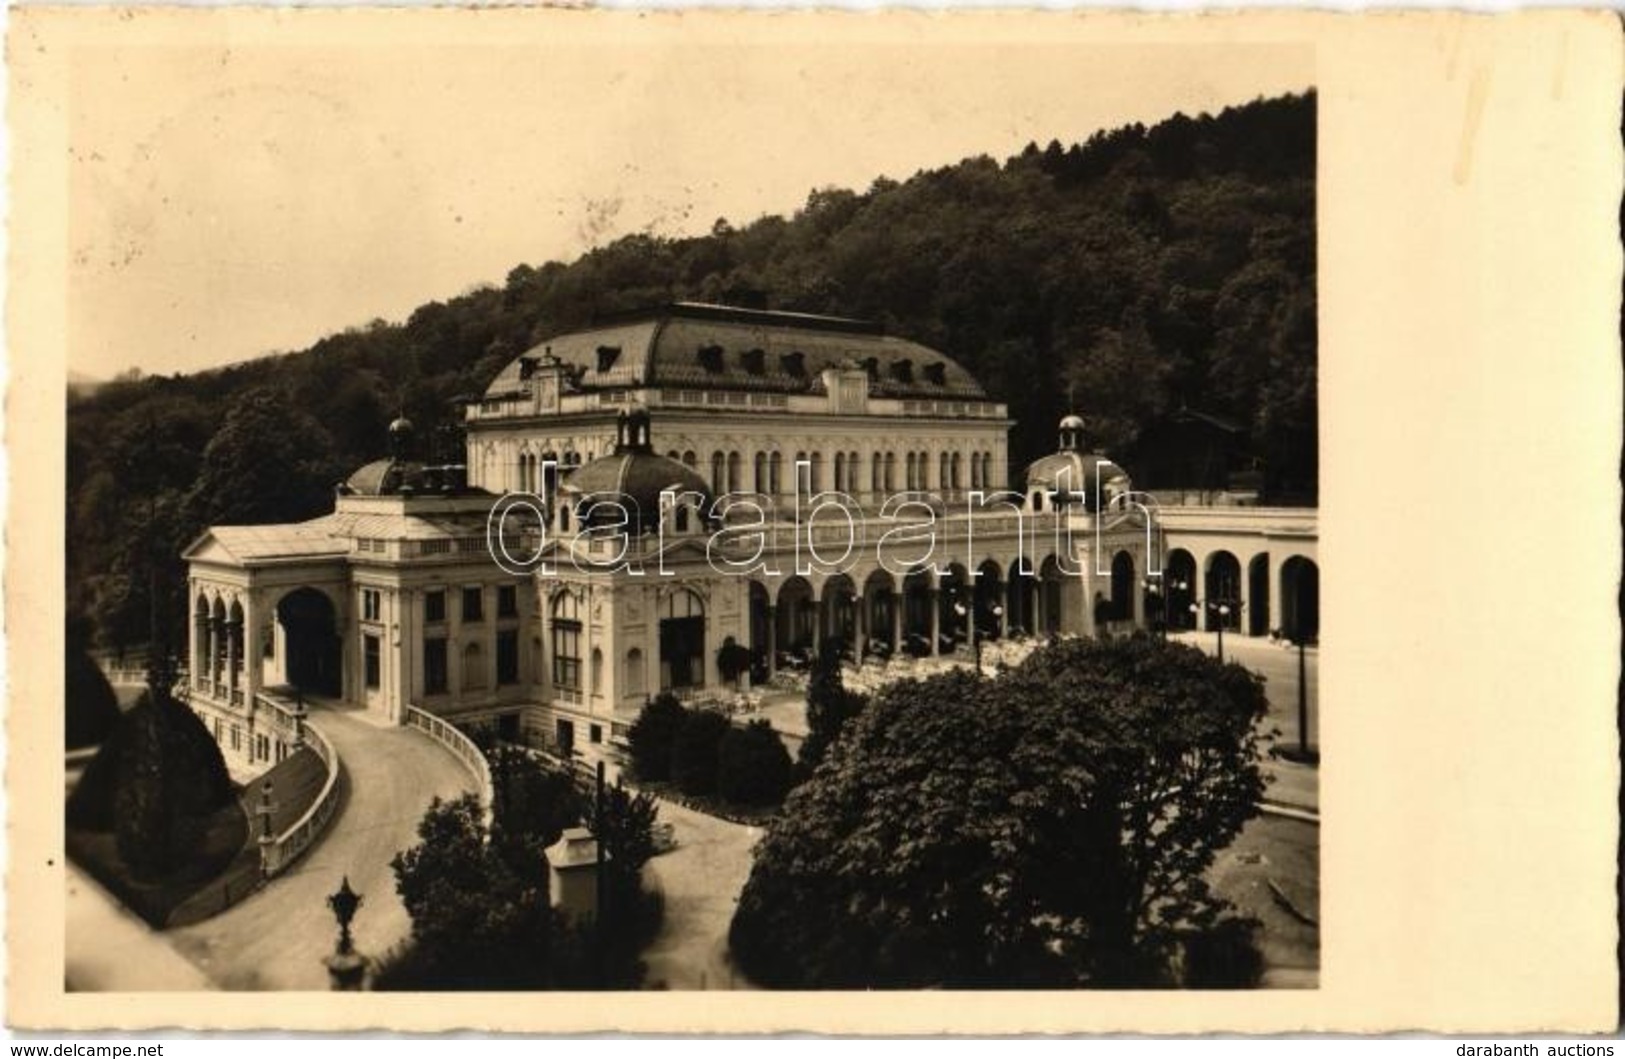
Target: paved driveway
<point x="276" y="938"/>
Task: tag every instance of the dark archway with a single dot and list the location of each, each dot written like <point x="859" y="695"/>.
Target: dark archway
<point x="761" y="631"/>
<point x="682" y="642"/>
<point x="1179" y="589"/>
<point x="314" y="658"/>
<point x="880" y="609"/>
<point x="1223" y="592"/>
<point x="1123" y="585"/>
<point x="1258" y="594"/>
<point x="1300" y="600"/>
<point x="797" y="614"/>
<point x="917" y="588"/>
<point x="838" y="613"/>
<point x="953" y="607"/>
<point x="1051" y="606"/>
<point x="990" y="605"/>
<point x="1021" y="602"/>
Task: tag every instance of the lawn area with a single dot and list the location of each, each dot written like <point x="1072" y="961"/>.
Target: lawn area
<point x="224" y="836"/>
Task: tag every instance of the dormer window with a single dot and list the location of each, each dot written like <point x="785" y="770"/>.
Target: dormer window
<point x="936" y="374"/>
<point x="903" y="370"/>
<point x="527" y="367"/>
<point x="794" y="364"/>
<point x="711" y="358"/>
<point x="607" y="356"/>
<point x="754" y="360"/>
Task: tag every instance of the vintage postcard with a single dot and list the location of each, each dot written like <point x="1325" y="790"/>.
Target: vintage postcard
<point x="927" y="521"/>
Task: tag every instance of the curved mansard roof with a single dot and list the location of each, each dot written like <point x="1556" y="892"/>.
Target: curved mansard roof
<point x="721" y="347"/>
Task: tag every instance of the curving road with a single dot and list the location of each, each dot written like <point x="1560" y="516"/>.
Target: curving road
<point x="277" y="938"/>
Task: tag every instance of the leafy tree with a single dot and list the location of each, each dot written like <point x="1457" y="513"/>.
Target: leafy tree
<point x="829" y="706"/>
<point x="154" y="783"/>
<point x="531" y="800"/>
<point x="1049" y="827"/>
<point x="92" y="707"/>
<point x="733" y="660"/>
<point x="694" y="753"/>
<point x="477" y="922"/>
<point x="653" y="735"/>
<point x="753" y="767"/>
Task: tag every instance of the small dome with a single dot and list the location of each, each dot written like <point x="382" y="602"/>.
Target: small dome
<point x="635" y="480"/>
<point x="378" y="478"/>
<point x="1072" y="422"/>
<point x="1072" y="473"/>
<point x="401" y="425"/>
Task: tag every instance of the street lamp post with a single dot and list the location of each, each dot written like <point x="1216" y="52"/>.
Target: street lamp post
<point x="346" y="966"/>
<point x="1224" y="615"/>
<point x="1303" y="703"/>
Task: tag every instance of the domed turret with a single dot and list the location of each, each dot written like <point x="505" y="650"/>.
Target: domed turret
<point x="401" y="432"/>
<point x="1073" y="477"/>
<point x="635" y="477"/>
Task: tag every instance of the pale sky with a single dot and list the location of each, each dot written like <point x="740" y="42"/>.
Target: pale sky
<point x="236" y="194"/>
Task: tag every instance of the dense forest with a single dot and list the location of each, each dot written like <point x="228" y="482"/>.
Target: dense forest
<point x="1144" y="271"/>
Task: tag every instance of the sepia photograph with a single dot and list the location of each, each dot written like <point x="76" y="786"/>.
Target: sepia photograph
<point x="640" y="506"/>
<point x="891" y="574"/>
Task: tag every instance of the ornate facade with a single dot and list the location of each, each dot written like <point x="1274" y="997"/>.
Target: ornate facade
<point x="687" y="500"/>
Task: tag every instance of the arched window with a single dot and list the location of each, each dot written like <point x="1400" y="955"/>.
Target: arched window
<point x="891" y="472"/>
<point x="775" y="464"/>
<point x="945" y="478"/>
<point x="818" y="472"/>
<point x="719" y="471"/>
<point x="840" y="472"/>
<point x="912" y="478"/>
<point x="733" y="472"/>
<point x="690" y="459"/>
<point x="854" y="473"/>
<point x="976" y="471"/>
<point x="760" y="482"/>
<point x="877" y="480"/>
<point x="473" y="667"/>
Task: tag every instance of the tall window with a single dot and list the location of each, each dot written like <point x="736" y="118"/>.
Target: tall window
<point x="434" y="665"/>
<point x="473" y="604"/>
<point x="877" y="481"/>
<point x="733" y="472"/>
<point x="371" y="664"/>
<point x="473" y="667"/>
<point x="840" y="472"/>
<point x="508" y="656"/>
<point x="719" y="473"/>
<point x="891" y="472"/>
<point x="775" y="466"/>
<point x="507" y="601"/>
<point x="434" y="606"/>
<point x="370" y="604"/>
<point x="760" y="483"/>
<point x="567" y="642"/>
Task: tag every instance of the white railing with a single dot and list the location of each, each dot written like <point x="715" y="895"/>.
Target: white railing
<point x="462" y="747"/>
<point x="284" y="849"/>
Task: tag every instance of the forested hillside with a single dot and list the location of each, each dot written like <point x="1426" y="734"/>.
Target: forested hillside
<point x="1142" y="271"/>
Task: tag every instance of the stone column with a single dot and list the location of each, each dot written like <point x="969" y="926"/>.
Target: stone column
<point x="896" y="603"/>
<point x="772" y="641"/>
<point x="936" y="619"/>
<point x="1001" y="599"/>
